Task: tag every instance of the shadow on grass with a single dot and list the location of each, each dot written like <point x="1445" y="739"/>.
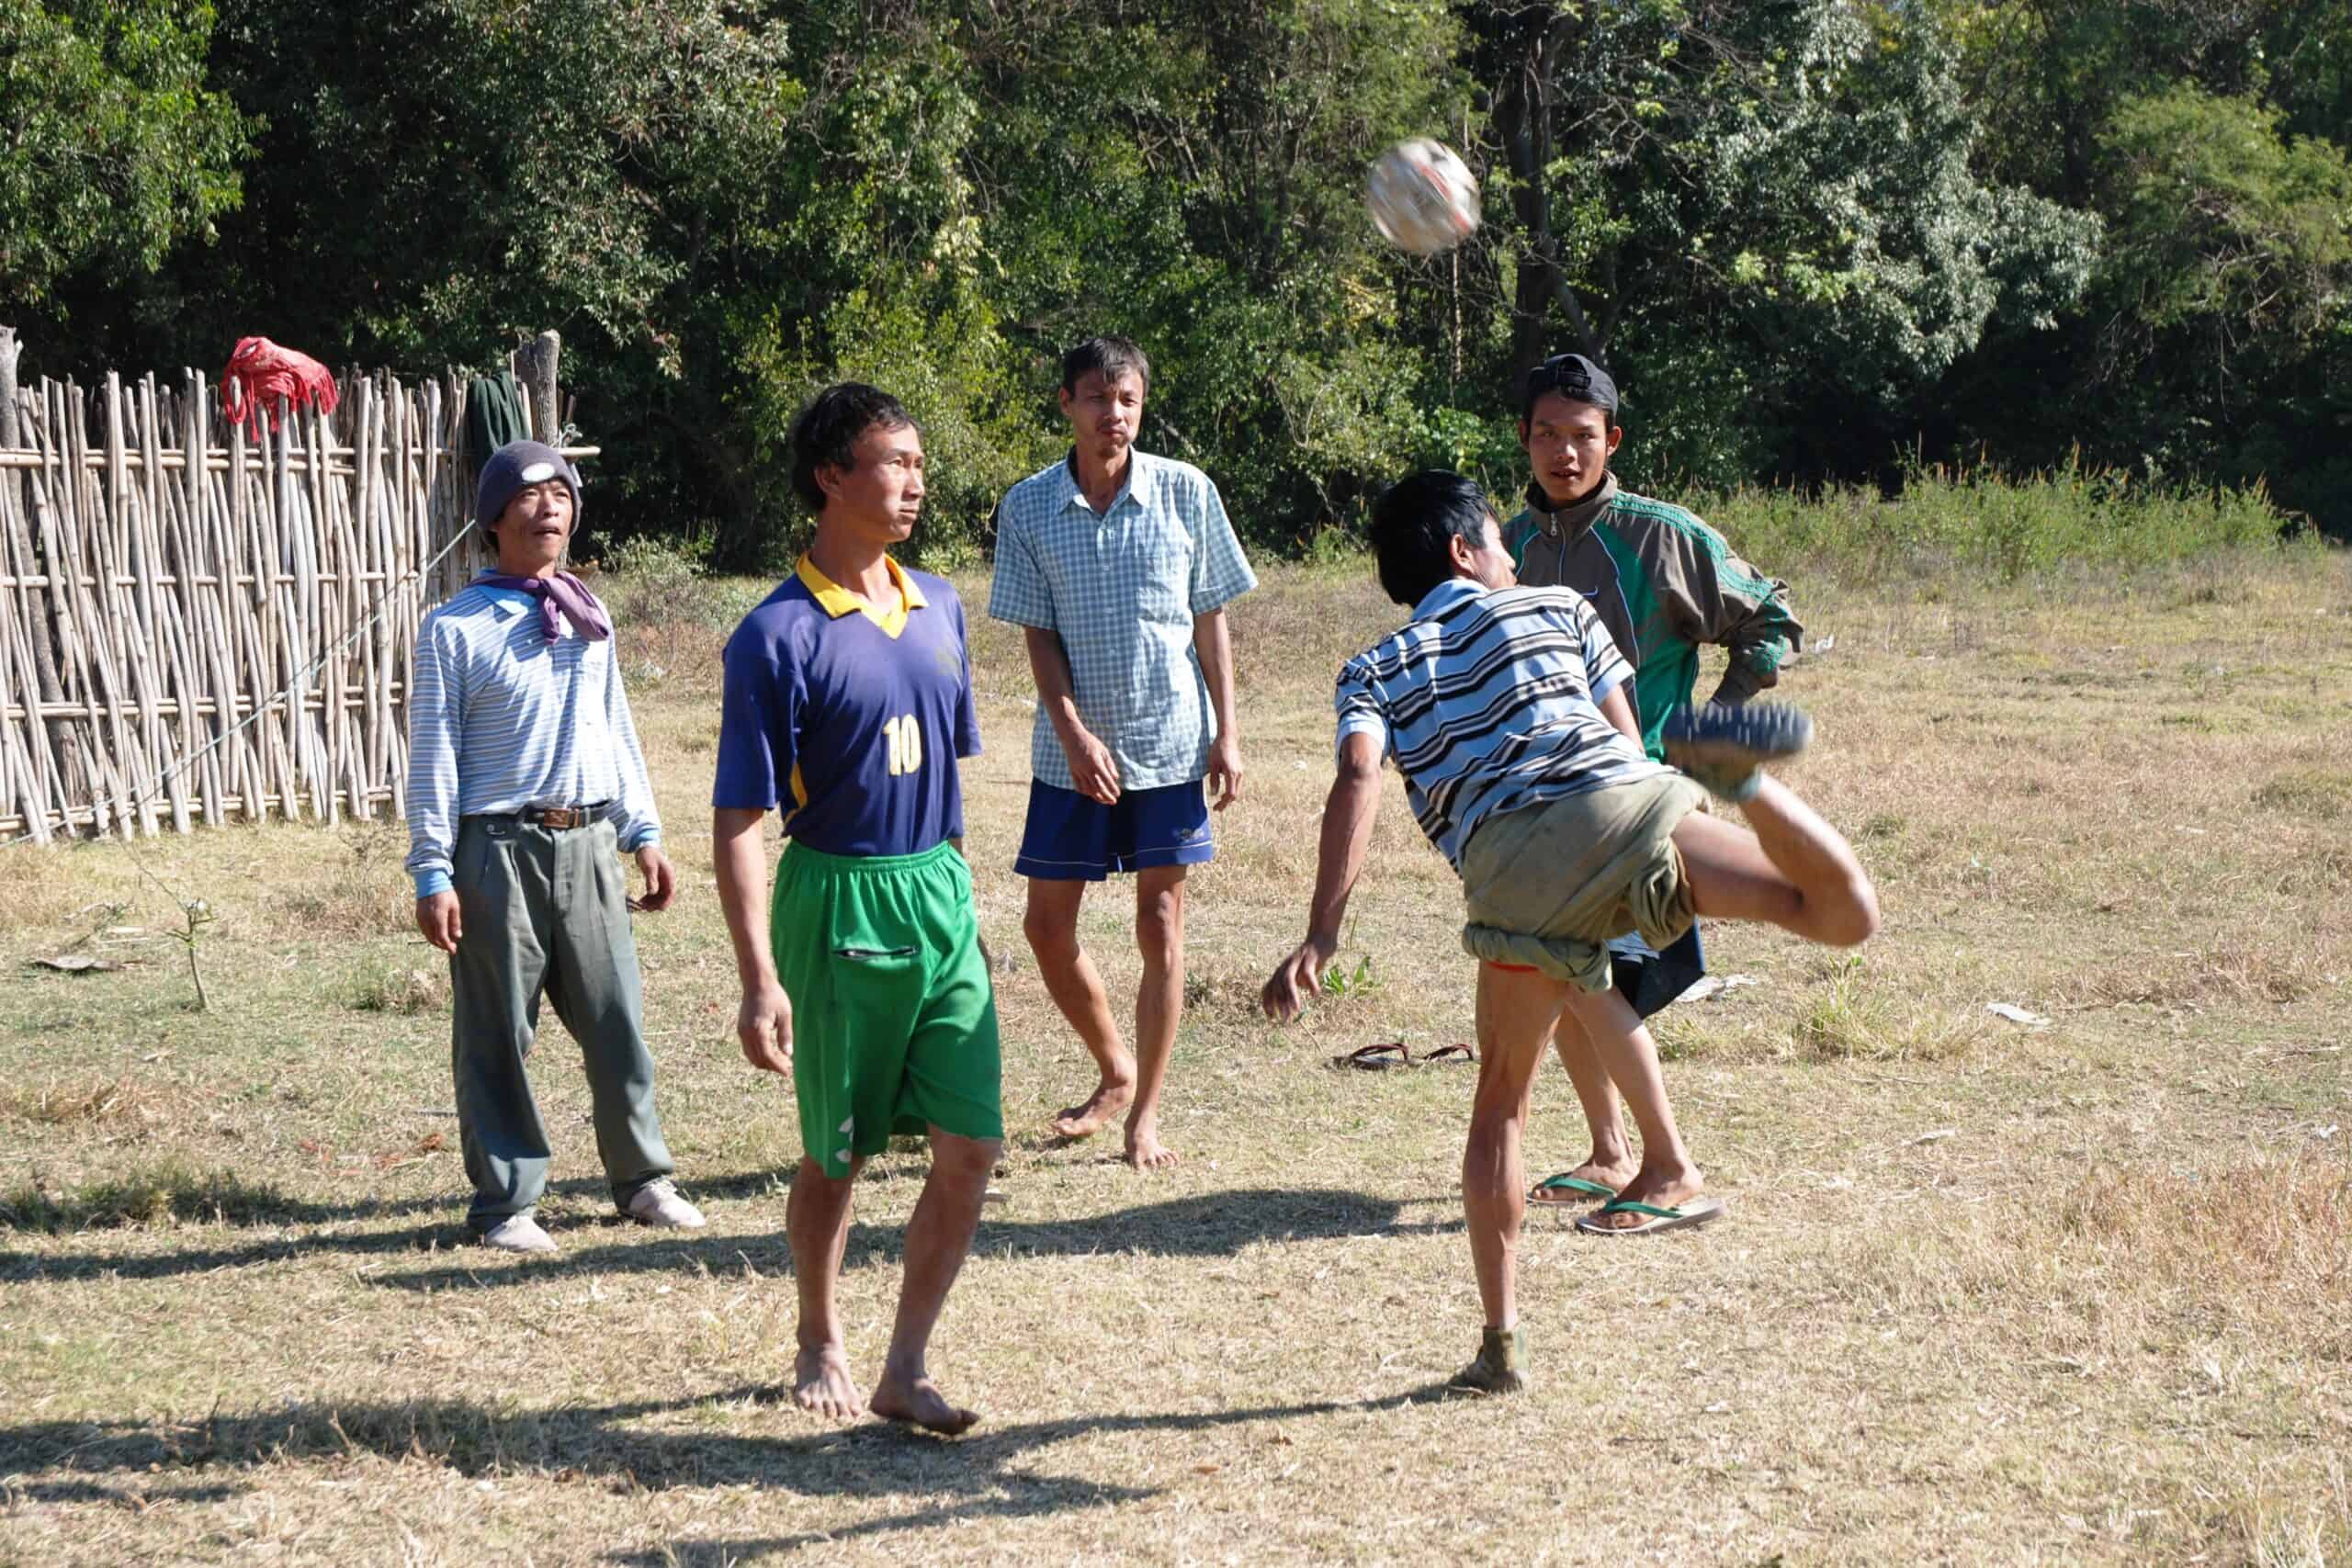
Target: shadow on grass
<point x="1205" y="1226"/>
<point x="973" y="1477"/>
<point x="1209" y="1225"/>
<point x="174" y="1192"/>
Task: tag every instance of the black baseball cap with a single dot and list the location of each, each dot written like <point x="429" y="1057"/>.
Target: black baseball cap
<point x="1573" y="376"/>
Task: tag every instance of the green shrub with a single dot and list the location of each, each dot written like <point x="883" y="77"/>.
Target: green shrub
<point x="2005" y="528"/>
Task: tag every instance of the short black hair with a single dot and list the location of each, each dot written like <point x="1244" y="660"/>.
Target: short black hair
<point x="827" y="433"/>
<point x="1413" y="523"/>
<point x="1112" y="357"/>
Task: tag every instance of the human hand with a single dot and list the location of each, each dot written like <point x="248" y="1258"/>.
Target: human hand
<point x="1296" y="979"/>
<point x="660" y="880"/>
<point x="1094" y="771"/>
<point x="1225" y="770"/>
<point x="764" y="1024"/>
<point x="437" y="916"/>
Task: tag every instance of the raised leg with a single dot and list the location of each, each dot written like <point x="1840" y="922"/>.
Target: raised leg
<point x="1792" y="870"/>
<point x="1071" y="979"/>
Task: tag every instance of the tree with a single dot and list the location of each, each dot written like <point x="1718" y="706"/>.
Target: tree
<point x="1770" y="215"/>
<point x="117" y="150"/>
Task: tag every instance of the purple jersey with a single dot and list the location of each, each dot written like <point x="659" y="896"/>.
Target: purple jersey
<point x="850" y="719"/>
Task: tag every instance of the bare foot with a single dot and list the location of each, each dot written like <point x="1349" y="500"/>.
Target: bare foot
<point x="821" y="1382"/>
<point x="917" y="1401"/>
<point x="1667" y="1188"/>
<point x="1110" y="1097"/>
<point x="1610" y="1174"/>
<point x="1145" y="1151"/>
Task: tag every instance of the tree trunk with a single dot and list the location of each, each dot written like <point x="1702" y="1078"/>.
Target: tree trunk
<point x="536" y="364"/>
<point x="1523" y="125"/>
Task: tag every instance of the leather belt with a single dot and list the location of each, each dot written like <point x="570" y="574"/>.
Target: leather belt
<point x="559" y="818"/>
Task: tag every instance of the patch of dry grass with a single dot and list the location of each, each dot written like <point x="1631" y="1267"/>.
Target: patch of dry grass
<point x="1987" y="1294"/>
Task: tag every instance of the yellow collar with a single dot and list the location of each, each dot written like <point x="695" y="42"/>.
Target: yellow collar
<point x="837" y="600"/>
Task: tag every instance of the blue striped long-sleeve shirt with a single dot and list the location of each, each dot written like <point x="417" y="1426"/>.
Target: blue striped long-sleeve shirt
<point x="500" y="718"/>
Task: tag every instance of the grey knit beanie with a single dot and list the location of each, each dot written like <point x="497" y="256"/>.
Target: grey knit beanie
<point x="515" y="465"/>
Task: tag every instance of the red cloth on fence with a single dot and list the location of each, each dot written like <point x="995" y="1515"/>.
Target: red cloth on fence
<point x="260" y="373"/>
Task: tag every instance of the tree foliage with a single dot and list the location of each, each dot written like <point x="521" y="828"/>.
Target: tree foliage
<point x="1807" y="234"/>
<point x="117" y="150"/>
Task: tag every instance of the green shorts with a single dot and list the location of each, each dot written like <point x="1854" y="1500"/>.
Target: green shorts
<point x="893" y="1017"/>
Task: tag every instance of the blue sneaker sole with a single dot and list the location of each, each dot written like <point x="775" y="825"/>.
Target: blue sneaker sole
<point x="1718" y="737"/>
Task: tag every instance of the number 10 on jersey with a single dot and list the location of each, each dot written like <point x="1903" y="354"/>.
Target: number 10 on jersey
<point x="905" y="743"/>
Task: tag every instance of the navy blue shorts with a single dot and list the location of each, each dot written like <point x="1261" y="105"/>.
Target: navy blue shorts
<point x="1649" y="982"/>
<point x="1071" y="839"/>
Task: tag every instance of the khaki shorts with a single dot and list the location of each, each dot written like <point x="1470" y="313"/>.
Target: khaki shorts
<point x="1549" y="887"/>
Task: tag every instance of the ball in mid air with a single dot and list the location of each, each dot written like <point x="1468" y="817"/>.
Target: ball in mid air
<point x="1422" y="196"/>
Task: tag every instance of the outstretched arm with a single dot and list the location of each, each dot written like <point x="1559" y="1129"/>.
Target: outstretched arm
<point x="1347" y="816"/>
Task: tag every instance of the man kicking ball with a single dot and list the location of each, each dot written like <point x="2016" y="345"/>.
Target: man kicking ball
<point x="848" y="700"/>
<point x="1505" y="709"/>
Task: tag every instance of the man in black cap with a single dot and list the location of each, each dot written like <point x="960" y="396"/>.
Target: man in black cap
<point x="525" y="779"/>
<point x="1664" y="584"/>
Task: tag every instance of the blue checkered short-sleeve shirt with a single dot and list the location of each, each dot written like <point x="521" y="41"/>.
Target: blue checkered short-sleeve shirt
<point x="1121" y="590"/>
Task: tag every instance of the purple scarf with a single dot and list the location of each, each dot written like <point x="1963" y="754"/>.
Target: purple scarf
<point x="562" y="591"/>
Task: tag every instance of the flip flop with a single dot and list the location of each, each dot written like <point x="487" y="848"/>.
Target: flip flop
<point x="1546" y="1193"/>
<point x="1450" y="1054"/>
<point x="1697" y="1212"/>
<point x="1377" y="1058"/>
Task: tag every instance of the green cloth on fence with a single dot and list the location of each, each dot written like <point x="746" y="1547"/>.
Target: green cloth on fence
<point x="494" y="415"/>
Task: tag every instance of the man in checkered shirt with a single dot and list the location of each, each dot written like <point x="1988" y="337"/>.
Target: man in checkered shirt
<point x="1118" y="566"/>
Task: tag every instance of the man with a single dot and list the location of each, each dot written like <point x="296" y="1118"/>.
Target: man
<point x="1664" y="584"/>
<point x="1505" y="710"/>
<point x="848" y="699"/>
<point x="1118" y="566"/>
<point x="524" y="777"/>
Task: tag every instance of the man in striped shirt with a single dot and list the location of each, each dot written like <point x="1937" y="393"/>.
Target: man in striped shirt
<point x="523" y="778"/>
<point x="1505" y="708"/>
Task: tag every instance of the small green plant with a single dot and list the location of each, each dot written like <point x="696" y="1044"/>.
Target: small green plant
<point x="195" y="914"/>
<point x="1361" y="981"/>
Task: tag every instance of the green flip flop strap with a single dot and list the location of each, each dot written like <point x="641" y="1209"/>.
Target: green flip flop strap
<point x="1628" y="1206"/>
<point x="1565" y="1183"/>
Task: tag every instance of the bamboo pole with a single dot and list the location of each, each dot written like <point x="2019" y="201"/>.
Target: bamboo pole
<point x="170" y="744"/>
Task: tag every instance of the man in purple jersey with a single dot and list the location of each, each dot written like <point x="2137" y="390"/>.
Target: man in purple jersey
<point x="848" y="700"/>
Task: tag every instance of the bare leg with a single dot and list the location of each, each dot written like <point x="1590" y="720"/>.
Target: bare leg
<point x="1071" y="979"/>
<point x="1622" y="1046"/>
<point x="1160" y="1002"/>
<point x="1611" y="1163"/>
<point x="816" y="1222"/>
<point x="1792" y="870"/>
<point x="939" y="1236"/>
<point x="1515" y="1010"/>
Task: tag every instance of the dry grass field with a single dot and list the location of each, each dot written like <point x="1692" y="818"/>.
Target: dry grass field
<point x="1988" y="1291"/>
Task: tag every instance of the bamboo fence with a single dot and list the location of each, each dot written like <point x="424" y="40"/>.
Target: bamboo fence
<point x="163" y="582"/>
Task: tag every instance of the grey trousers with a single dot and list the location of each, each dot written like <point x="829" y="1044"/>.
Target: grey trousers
<point x="545" y="913"/>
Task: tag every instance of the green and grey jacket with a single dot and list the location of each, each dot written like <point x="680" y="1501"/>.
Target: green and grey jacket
<point x="1664" y="583"/>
